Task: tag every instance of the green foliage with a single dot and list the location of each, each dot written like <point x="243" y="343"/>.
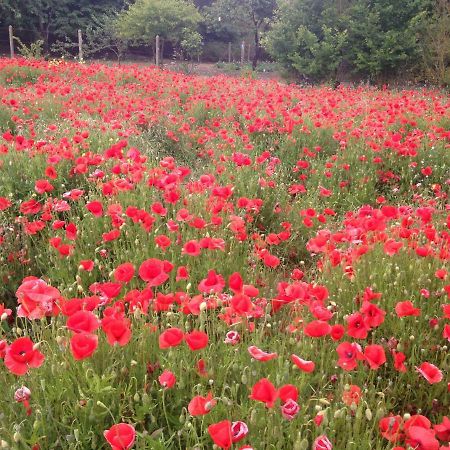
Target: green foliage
<point x="384" y="36"/>
<point x="305" y="40"/>
<point x="6" y="123"/>
<point x="18" y="76"/>
<point x="436" y="45"/>
<point x="33" y="51"/>
<point x="232" y="20"/>
<point x="99" y="37"/>
<point x="44" y="19"/>
<point x="172" y="20"/>
<point x="373" y="39"/>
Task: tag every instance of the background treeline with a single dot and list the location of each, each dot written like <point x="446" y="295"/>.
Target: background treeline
<point x="317" y="40"/>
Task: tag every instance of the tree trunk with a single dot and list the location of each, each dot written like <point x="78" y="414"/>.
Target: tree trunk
<point x="257" y="49"/>
<point x="44" y="31"/>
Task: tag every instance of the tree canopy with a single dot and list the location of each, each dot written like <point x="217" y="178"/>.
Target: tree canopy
<point x="371" y="38"/>
<point x="315" y="39"/>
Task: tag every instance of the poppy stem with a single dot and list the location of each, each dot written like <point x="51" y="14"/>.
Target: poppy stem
<point x="165" y="410"/>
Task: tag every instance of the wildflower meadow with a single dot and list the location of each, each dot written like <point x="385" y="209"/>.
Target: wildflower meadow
<point x="195" y="263"/>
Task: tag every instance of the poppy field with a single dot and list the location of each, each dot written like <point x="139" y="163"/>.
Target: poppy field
<point x="196" y="263"/>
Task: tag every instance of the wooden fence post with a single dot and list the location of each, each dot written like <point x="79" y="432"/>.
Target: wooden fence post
<point x="243" y="52"/>
<point x="80" y="46"/>
<point x="157" y="50"/>
<point x="229" y="52"/>
<point x="11" y="41"/>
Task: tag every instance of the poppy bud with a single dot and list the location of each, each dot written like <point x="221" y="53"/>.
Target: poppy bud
<point x="301" y="444"/>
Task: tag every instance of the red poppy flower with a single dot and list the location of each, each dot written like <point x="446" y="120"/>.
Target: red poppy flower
<point x="317" y="328"/>
<point x="241" y="304"/>
<point x="421" y="439"/>
<point x="417" y="420"/>
<point x="238" y="431"/>
<point x="117" y="330"/>
<point x="430" y="372"/>
<point x="348" y="353"/>
<point x="124" y="273"/>
<point x="154" y="271"/>
<point x="232" y="337"/>
<point x="290" y="409"/>
<point x="373" y="315"/>
<point x="390" y="428"/>
<point x="21" y="355"/>
<point x="196" y="340"/>
<point x="322" y="443"/>
<point x="212" y="283"/>
<point x="182" y="273"/>
<point x="337" y="332"/>
<point x="235" y="282"/>
<point x="303" y="364"/>
<point x="36" y="299"/>
<point x="71" y="231"/>
<point x="199" y="405"/>
<point x="356" y="326"/>
<point x="120" y="436"/>
<point x="191" y="248"/>
<point x="3" y="347"/>
<point x="201" y="368"/>
<point x="260" y="355"/>
<point x="406" y="308"/>
<point x="399" y="359"/>
<point x="170" y="338"/>
<point x="264" y="391"/>
<point x="221" y="434"/>
<point x="391" y="247"/>
<point x="443" y="429"/>
<point x="83" y="322"/>
<point x="107" y="289"/>
<point x="375" y="356"/>
<point x="352" y="395"/>
<point x="87" y="265"/>
<point x="95" y="207"/>
<point x="83" y="345"/>
<point x="167" y="379"/>
<point x="288" y="391"/>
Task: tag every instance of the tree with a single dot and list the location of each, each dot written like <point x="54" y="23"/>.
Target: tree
<point x="370" y="38"/>
<point x="384" y="36"/>
<point x="307" y="38"/>
<point x="173" y="20"/>
<point x="234" y="18"/>
<point x="45" y="19"/>
<point x="436" y="45"/>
